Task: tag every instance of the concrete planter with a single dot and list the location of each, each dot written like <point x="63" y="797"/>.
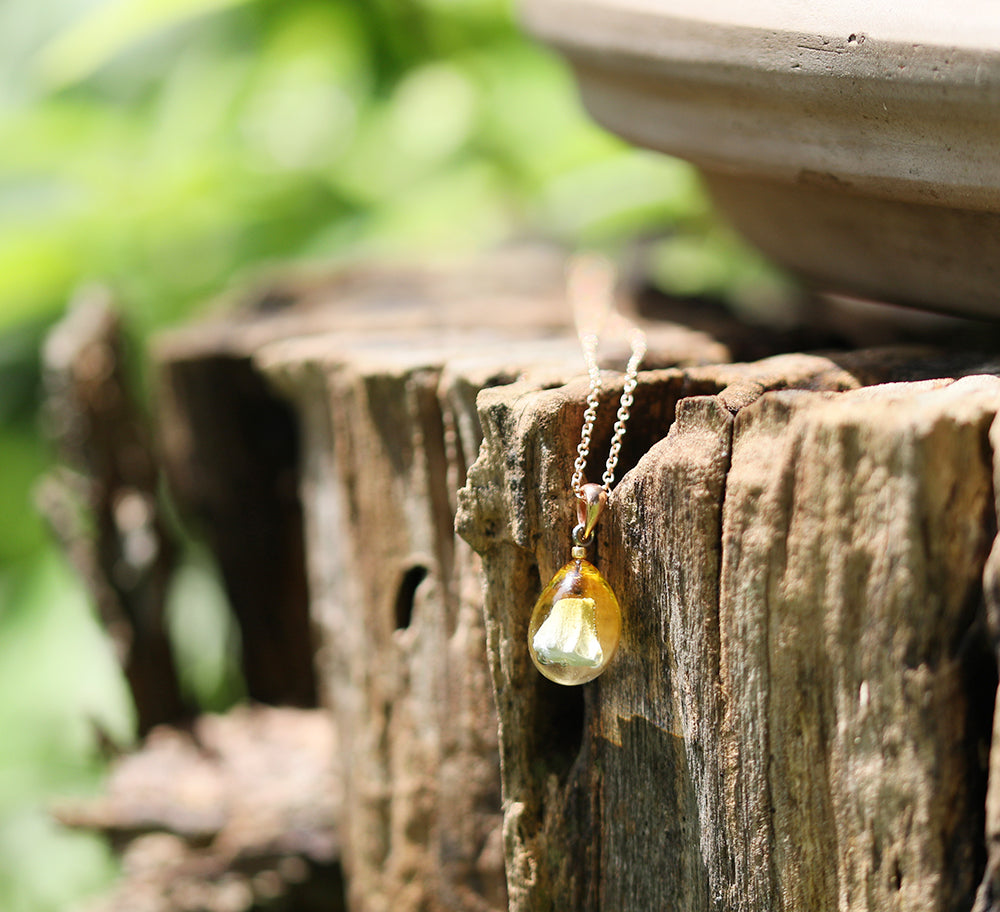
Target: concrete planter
<point x="856" y="144"/>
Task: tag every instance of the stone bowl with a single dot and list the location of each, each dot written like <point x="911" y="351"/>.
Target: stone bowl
<point x="855" y="143"/>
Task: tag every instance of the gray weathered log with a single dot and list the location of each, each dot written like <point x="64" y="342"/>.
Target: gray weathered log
<point x="382" y="369"/>
<point x="799" y="714"/>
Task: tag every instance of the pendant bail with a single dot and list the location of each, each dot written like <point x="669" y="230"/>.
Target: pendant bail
<point x="590" y="504"/>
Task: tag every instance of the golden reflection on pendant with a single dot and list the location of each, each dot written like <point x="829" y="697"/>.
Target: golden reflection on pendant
<point x="575" y="625"/>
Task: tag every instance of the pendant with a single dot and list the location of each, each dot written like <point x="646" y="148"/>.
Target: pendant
<point x="575" y="625"/>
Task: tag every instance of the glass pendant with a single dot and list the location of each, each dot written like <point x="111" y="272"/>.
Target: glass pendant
<point x="575" y="625"/>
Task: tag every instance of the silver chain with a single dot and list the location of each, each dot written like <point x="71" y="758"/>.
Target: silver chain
<point x="591" y="288"/>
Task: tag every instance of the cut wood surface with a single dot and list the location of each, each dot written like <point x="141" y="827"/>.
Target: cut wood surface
<point x="800" y="711"/>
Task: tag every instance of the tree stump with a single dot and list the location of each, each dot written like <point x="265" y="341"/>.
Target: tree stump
<point x="236" y="813"/>
<point x="378" y="372"/>
<point x="389" y="428"/>
<point x="385" y="430"/>
<point x="800" y="710"/>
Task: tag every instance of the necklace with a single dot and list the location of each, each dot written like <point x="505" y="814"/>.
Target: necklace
<point x="576" y="622"/>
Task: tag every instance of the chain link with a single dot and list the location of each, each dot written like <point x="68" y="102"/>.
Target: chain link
<point x="591" y="288"/>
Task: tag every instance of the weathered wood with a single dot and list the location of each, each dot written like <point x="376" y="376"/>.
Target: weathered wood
<point x="231" y="445"/>
<point x="237" y="814"/>
<point x="104" y="502"/>
<point x="860" y="590"/>
<point x="389" y="426"/>
<point x="382" y="374"/>
<point x="802" y="700"/>
<point x="800" y="709"/>
<point x="988" y="895"/>
<point x="402" y="642"/>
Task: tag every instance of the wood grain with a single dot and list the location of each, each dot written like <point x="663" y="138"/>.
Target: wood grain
<point x="800" y="709"/>
<point x="800" y="714"/>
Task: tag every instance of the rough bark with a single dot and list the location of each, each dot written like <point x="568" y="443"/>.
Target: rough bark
<point x="402" y="642"/>
<point x="988" y="895"/>
<point x="800" y="710"/>
<point x="104" y="502"/>
<point x="380" y="370"/>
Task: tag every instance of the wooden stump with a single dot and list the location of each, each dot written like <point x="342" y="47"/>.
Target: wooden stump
<point x="799" y="714"/>
<point x="389" y="430"/>
<point x="386" y="428"/>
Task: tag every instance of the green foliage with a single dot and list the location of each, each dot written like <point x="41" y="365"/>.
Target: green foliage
<point x="168" y="146"/>
<point x="58" y="687"/>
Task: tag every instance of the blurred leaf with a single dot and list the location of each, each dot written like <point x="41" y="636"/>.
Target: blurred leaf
<point x="204" y="635"/>
<point x="23" y="458"/>
<point x="624" y="194"/>
<point x="20" y="374"/>
<point x="420" y="129"/>
<point x="454" y="212"/>
<point x="713" y="262"/>
<point x="57" y="660"/>
<point x="112" y="27"/>
<point x="45" y="867"/>
<point x="531" y="117"/>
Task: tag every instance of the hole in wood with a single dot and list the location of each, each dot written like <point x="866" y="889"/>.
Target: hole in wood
<point x="406" y="593"/>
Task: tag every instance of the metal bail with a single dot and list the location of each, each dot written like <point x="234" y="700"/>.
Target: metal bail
<point x="590" y="503"/>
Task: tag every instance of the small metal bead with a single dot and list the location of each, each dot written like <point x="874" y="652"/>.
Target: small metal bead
<point x="578" y="552"/>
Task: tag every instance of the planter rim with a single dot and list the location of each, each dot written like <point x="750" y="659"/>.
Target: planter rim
<point x="857" y="145"/>
<point x="842" y="38"/>
<point x="902" y="120"/>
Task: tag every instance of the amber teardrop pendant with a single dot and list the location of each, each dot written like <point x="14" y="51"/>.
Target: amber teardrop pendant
<point x="575" y="625"/>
